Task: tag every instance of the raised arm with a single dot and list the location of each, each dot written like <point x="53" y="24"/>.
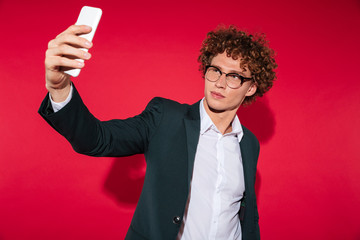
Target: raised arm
<point x="74" y="121"/>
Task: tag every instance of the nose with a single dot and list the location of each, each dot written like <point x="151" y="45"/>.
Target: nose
<point x="221" y="82"/>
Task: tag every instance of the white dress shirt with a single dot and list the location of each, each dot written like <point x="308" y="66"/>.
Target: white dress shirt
<point x="217" y="184"/>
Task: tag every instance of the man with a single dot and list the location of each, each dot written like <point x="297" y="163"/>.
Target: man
<point x="201" y="162"/>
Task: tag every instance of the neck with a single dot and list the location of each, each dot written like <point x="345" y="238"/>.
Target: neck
<point x="222" y="119"/>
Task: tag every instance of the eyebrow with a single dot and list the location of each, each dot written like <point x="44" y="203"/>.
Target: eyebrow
<point x="232" y="71"/>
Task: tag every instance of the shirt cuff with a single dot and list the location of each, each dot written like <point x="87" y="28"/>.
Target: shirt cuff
<point x="57" y="106"/>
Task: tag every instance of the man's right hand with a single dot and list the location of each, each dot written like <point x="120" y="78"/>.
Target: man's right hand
<point x="60" y="55"/>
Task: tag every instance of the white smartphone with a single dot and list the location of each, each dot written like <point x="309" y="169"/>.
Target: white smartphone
<point x="88" y="16"/>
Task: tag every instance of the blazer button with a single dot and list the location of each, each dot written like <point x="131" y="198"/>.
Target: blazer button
<point x="176" y="220"/>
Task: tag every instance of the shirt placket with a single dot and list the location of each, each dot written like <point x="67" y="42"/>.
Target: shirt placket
<point x="220" y="155"/>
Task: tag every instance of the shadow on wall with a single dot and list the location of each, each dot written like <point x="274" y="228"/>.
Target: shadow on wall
<point x="126" y="177"/>
<point x="125" y="180"/>
<point x="260" y="120"/>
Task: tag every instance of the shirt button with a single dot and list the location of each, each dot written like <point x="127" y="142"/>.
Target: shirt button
<point x="176" y="220"/>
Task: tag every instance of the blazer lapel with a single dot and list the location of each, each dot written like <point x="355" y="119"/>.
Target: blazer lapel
<point x="246" y="156"/>
<point x="192" y="127"/>
<point x="249" y="159"/>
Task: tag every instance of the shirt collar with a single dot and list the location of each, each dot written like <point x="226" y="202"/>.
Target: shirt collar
<point x="207" y="124"/>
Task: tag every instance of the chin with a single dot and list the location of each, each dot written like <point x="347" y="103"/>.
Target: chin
<point x="216" y="110"/>
<point x="215" y="106"/>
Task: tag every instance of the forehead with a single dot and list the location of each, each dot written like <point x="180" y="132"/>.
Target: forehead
<point x="227" y="63"/>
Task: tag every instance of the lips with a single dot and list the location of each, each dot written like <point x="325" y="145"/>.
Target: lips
<point x="217" y="95"/>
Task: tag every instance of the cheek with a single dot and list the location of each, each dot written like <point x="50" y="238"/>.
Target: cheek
<point x="236" y="97"/>
<point x="207" y="87"/>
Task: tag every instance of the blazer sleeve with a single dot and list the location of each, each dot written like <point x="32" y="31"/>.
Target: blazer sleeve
<point x="93" y="137"/>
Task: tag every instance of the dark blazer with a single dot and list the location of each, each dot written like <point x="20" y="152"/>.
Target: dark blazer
<point x="167" y="133"/>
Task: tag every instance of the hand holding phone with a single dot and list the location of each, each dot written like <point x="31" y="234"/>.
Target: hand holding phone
<point x="89" y="16"/>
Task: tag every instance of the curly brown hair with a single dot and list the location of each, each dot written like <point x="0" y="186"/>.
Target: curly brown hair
<point x="252" y="49"/>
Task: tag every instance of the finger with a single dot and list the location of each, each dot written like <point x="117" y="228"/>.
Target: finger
<point x="55" y="62"/>
<point x="77" y="29"/>
<point x="67" y="50"/>
<point x="70" y="39"/>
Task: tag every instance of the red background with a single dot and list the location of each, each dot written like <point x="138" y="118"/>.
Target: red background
<point x="308" y="124"/>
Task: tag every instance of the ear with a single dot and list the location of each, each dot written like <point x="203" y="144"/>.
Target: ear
<point x="251" y="91"/>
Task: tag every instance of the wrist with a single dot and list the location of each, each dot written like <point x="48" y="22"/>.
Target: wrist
<point x="59" y="94"/>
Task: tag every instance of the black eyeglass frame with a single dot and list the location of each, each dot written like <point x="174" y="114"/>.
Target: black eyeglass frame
<point x="242" y="78"/>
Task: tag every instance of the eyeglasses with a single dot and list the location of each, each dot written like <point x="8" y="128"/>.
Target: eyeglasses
<point x="233" y="80"/>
